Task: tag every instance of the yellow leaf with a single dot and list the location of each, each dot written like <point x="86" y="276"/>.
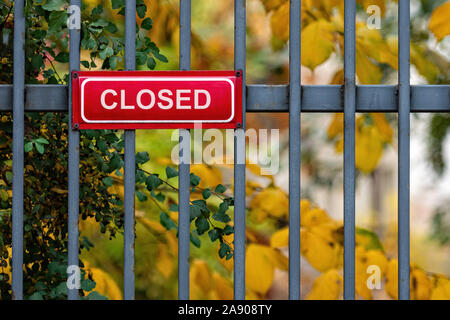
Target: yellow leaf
<point x="442" y="289"/>
<point x="367" y="71"/>
<point x="200" y="279"/>
<point x="314" y="217"/>
<point x="317" y="43"/>
<point x="338" y="78"/>
<point x="304" y="205"/>
<point x="371" y="42"/>
<point x="336" y="126"/>
<point x="420" y="285"/>
<point x="4" y="195"/>
<point x="320" y="253"/>
<point x="222" y="287"/>
<point x="383" y="126"/>
<point x="279" y="22"/>
<point x="278" y="259"/>
<point x="392" y="279"/>
<point x="425" y="67"/>
<point x="165" y="262"/>
<point x="258" y="269"/>
<point x="377" y="258"/>
<point x="440" y="21"/>
<point x="270" y="201"/>
<point x="326" y="287"/>
<point x="172" y="243"/>
<point x="369" y="148"/>
<point x="272" y="4"/>
<point x="280" y="238"/>
<point x="105" y="285"/>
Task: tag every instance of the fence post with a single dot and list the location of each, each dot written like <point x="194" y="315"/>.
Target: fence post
<point x="239" y="155"/>
<point x="18" y="150"/>
<point x="185" y="160"/>
<point x="294" y="147"/>
<point x="130" y="161"/>
<point x="349" y="150"/>
<point x="74" y="159"/>
<point x="403" y="148"/>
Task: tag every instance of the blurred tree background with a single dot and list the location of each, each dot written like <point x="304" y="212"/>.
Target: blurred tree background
<point x="267" y="197"/>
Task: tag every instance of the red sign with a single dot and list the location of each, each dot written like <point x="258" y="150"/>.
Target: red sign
<point x="156" y="99"/>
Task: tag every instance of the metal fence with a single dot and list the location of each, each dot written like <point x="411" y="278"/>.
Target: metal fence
<point x="292" y="98"/>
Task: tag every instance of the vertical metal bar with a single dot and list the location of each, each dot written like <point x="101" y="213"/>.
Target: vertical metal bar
<point x="130" y="161"/>
<point x="294" y="147"/>
<point x="349" y="150"/>
<point x="403" y="149"/>
<point x="18" y="152"/>
<point x="74" y="159"/>
<point x="185" y="159"/>
<point x="239" y="155"/>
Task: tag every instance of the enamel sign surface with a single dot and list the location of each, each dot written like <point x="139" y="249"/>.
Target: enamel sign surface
<point x="156" y="99"/>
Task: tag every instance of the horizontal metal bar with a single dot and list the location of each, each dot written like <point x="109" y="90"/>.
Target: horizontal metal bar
<point x="270" y="98"/>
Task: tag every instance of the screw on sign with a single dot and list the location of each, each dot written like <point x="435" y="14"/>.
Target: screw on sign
<point x="156" y="99"/>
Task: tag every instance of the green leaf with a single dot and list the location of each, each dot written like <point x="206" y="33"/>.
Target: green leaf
<point x="153" y="182"/>
<point x="108" y="181"/>
<point x="151" y="63"/>
<point x="97" y="10"/>
<point x="195" y="241"/>
<point x="160" y="57"/>
<point x="202" y="225"/>
<point x="53" y="5"/>
<point x="160" y="197"/>
<point x="171" y="172"/>
<point x="39" y="148"/>
<point x="206" y="193"/>
<point x="147" y="23"/>
<point x="105" y="53"/>
<point x="214" y="234"/>
<point x="87" y="284"/>
<point x="173" y="207"/>
<point x="369" y="239"/>
<point x="224" y="249"/>
<point x="141" y="196"/>
<point x="61" y="289"/>
<point x="28" y="146"/>
<point x="85" y="63"/>
<point x="117" y="4"/>
<point x="228" y="230"/>
<point x="166" y="221"/>
<point x="194" y="212"/>
<point x="96" y="296"/>
<point x="220" y="189"/>
<point x="36" y="296"/>
<point x="141" y="10"/>
<point x="221" y="217"/>
<point x="41" y="141"/>
<point x="37" y="61"/>
<point x="62" y="57"/>
<point x="195" y="180"/>
<point x="142" y="157"/>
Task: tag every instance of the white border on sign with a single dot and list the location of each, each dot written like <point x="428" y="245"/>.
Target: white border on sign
<point x="158" y="79"/>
